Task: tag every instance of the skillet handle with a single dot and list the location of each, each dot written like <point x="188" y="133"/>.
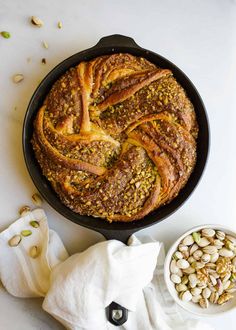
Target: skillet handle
<point x="116" y="40"/>
<point x="120" y="235"/>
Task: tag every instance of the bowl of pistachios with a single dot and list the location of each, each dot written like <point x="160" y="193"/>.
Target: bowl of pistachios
<point x="200" y="270"/>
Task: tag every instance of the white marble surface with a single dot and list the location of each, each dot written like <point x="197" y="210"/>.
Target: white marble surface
<point x="199" y="36"/>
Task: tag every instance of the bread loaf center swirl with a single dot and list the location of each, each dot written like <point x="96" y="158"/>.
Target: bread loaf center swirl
<point x="116" y="137"/>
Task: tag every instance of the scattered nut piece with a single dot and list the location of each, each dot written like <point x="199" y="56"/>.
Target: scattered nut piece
<point x="34" y="224"/>
<point x="24" y="210"/>
<point x="5" y="34"/>
<point x="17" y="78"/>
<point x="26" y="233"/>
<point x="37" y="200"/>
<point x="34" y="251"/>
<point x="14" y="241"/>
<point x="36" y="21"/>
<point x="45" y="44"/>
<point x="44" y="60"/>
<point x="59" y="25"/>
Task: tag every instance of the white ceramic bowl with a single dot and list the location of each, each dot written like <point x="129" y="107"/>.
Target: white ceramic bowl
<point x="190" y="306"/>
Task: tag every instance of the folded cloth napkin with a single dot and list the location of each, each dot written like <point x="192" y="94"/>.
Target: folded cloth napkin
<point x="77" y="289"/>
<point x="22" y="275"/>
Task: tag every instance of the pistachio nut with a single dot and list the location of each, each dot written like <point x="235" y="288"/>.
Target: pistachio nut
<point x="175" y="279"/>
<point x="24" y="210"/>
<point x="204" y="303"/>
<point x="214" y="297"/>
<point x="34" y="223"/>
<point x="182" y="264"/>
<point x="226" y="253"/>
<point x="203" y="242"/>
<point x="220" y="235"/>
<point x="186" y="295"/>
<point x="26" y="233"/>
<point x="14" y="241"/>
<point x="224" y="298"/>
<point x="36" y="21"/>
<point x="37" y="200"/>
<point x="34" y="251"/>
<point x="208" y="232"/>
<point x="188" y="240"/>
<point x="197" y="254"/>
<point x="196" y="237"/>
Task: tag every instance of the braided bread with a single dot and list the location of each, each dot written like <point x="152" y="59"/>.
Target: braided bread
<point x="116" y="137"/>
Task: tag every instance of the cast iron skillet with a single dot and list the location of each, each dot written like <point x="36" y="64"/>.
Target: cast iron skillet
<point x="121" y="231"/>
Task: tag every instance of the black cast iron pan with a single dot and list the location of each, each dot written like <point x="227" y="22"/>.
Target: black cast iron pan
<point x="120" y="231"/>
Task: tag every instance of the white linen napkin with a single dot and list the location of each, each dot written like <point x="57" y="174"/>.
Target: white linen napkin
<point x="80" y="288"/>
<point x="22" y="275"/>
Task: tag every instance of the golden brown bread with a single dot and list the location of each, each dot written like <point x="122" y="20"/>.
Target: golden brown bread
<point x="116" y="137"/>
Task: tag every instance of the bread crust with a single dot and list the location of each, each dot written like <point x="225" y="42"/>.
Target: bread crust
<point x="116" y="137"/>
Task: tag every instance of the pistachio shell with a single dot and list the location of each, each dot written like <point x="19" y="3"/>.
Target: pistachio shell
<point x="24" y="210"/>
<point x="210" y="265"/>
<point x="205" y="258"/>
<point x="182" y="247"/>
<point x="197" y="265"/>
<point x="206" y="293"/>
<point x="188" y="240"/>
<point x="195" y="299"/>
<point x="189" y="270"/>
<point x="210" y="249"/>
<point x="193" y="248"/>
<point x="178" y="255"/>
<point x="181" y="287"/>
<point x="226" y="284"/>
<point x="219" y="286"/>
<point x="184" y="279"/>
<point x="232" y="239"/>
<point x="203" y="242"/>
<point x="213" y="280"/>
<point x="226" y="253"/>
<point x="218" y="243"/>
<point x="204" y="303"/>
<point x="14" y="241"/>
<point x="186" y="296"/>
<point x="18" y="78"/>
<point x="226" y="278"/>
<point x="179" y="273"/>
<point x="229" y="245"/>
<point x="36" y="21"/>
<point x="208" y="232"/>
<point x="191" y="260"/>
<point x="196" y="237"/>
<point x="193" y="278"/>
<point x="197" y="254"/>
<point x="224" y="298"/>
<point x="173" y="267"/>
<point x="196" y="291"/>
<point x="214" y="297"/>
<point x="34" y="251"/>
<point x="220" y="235"/>
<point x="182" y="264"/>
<point x="175" y="279"/>
<point x="214" y="257"/>
<point x="234" y="261"/>
<point x="37" y="200"/>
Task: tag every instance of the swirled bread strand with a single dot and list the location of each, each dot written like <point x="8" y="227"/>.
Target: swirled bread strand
<point x="116" y="137"/>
